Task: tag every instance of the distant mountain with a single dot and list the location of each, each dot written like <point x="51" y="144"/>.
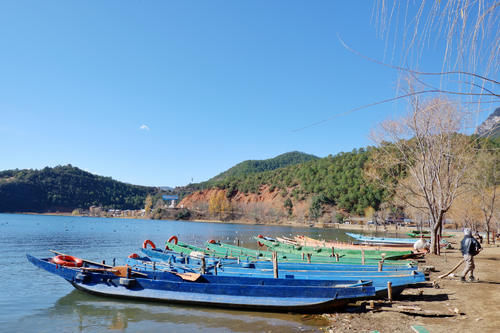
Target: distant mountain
<point x="166" y="188"/>
<point x="491" y="126"/>
<point x="65" y="188"/>
<point x="254" y="166"/>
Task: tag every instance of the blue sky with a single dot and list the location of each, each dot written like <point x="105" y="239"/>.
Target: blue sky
<point x="163" y="92"/>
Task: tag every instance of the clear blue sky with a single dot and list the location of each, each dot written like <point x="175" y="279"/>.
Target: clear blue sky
<point x="162" y="92"/>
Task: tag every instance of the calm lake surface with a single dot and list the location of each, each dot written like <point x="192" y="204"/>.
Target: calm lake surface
<point x="32" y="300"/>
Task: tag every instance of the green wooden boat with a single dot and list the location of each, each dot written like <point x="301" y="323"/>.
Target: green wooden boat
<point x="222" y="250"/>
<point x="276" y="245"/>
<point x="228" y="250"/>
<point x="424" y="235"/>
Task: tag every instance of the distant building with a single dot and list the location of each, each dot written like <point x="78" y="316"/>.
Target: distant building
<point x="172" y="198"/>
<point x="95" y="211"/>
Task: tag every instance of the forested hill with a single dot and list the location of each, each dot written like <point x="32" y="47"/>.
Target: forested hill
<point x="335" y="180"/>
<point x="246" y="168"/>
<point x="65" y="188"/>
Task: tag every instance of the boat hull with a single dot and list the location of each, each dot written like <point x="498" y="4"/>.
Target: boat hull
<point x="174" y="257"/>
<point x="379" y="279"/>
<point x="297" y="249"/>
<point x="225" y="292"/>
<point x="227" y="250"/>
<point x="308" y="241"/>
<point x="382" y="240"/>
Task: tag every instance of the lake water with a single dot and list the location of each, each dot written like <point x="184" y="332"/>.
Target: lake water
<point x="32" y="300"/>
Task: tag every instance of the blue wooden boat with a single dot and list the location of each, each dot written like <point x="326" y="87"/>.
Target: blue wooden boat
<point x="262" y="294"/>
<point x="381" y="240"/>
<point x="399" y="279"/>
<point x="180" y="258"/>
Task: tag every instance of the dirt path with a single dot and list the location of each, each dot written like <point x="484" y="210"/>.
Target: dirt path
<point x="452" y="307"/>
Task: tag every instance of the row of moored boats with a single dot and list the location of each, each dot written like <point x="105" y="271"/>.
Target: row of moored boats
<point x="298" y="274"/>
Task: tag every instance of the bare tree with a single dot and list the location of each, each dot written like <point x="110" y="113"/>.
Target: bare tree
<point x="465" y="211"/>
<point x="424" y="157"/>
<point x="463" y="33"/>
<point x="484" y="182"/>
<point x="257" y="211"/>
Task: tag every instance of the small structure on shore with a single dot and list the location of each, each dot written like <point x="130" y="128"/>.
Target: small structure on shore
<point x="172" y="198"/>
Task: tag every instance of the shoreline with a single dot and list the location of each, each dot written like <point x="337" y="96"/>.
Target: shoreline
<point x="439" y="305"/>
<point x="391" y="228"/>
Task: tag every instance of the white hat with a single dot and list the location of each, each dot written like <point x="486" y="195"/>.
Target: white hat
<point x="467" y="231"/>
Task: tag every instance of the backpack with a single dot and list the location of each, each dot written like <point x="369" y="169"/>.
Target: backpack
<point x="475" y="247"/>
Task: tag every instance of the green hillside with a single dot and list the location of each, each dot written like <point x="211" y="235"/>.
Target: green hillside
<point x="65" y="188"/>
<point x="335" y="180"/>
<point x="254" y="166"/>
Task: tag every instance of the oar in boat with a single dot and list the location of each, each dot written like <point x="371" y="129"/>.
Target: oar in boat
<point x="122" y="270"/>
<point x="108" y="268"/>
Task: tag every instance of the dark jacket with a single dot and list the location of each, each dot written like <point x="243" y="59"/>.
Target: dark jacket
<point x="470" y="245"/>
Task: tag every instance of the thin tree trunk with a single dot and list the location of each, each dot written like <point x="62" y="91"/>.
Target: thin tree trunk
<point x="434" y="232"/>
<point x="440" y="236"/>
<point x="488" y="233"/>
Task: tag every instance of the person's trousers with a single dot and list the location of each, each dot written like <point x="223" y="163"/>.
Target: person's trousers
<point x="469" y="265"/>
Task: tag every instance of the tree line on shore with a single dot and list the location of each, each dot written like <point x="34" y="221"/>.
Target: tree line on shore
<point x="64" y="188"/>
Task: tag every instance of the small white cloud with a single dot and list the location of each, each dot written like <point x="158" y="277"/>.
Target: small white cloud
<point x="144" y="127"/>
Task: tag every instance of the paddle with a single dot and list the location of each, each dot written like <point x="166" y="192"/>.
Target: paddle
<point x="189" y="276"/>
<point x="452" y="270"/>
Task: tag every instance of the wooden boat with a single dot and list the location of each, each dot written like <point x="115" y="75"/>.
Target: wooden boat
<point x="381" y="240"/>
<point x="399" y="279"/>
<point x="276" y="245"/>
<point x="421" y="232"/>
<point x="223" y="249"/>
<point x="183" y="259"/>
<point x="308" y="241"/>
<point x="262" y="294"/>
<point x="425" y="236"/>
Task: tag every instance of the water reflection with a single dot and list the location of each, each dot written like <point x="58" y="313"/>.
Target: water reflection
<point x="32" y="300"/>
<point x="80" y="312"/>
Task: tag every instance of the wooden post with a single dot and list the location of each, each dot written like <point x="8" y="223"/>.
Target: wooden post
<point x="336" y="257"/>
<point x="389" y="290"/>
<point x="302" y="256"/>
<point x="308" y="258"/>
<point x="114" y="262"/>
<point x="362" y="256"/>
<point x="275" y="264"/>
<point x="380" y="265"/>
<point x="202" y="265"/>
<point x="238" y="241"/>
<point x="333" y="252"/>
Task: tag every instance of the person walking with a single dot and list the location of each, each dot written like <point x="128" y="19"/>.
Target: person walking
<point x="469" y="247"/>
